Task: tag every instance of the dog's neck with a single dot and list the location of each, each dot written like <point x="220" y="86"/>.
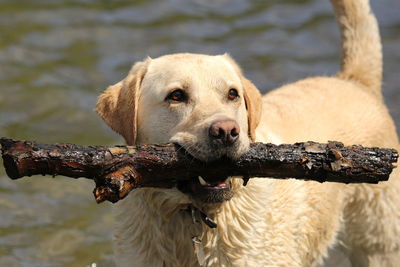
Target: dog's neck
<point x="155" y="226"/>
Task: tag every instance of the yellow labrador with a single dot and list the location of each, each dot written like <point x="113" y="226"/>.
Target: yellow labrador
<point x="206" y="105"/>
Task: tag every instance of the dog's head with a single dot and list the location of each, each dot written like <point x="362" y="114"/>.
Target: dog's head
<point x="202" y="103"/>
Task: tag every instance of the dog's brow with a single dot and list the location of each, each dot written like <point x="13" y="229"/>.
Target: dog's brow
<point x="232" y="84"/>
<point x="178" y="84"/>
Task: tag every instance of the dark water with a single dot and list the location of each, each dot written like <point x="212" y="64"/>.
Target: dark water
<point x="56" y="56"/>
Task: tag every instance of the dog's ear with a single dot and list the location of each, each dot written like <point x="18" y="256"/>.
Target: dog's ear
<point x="118" y="105"/>
<point x="252" y="98"/>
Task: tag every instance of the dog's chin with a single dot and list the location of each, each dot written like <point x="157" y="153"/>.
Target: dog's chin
<point x="211" y="189"/>
<point x="208" y="190"/>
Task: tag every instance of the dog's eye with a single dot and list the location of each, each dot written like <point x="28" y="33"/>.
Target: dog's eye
<point x="177" y="96"/>
<point x="233" y="94"/>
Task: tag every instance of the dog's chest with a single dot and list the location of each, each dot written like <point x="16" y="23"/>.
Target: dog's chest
<point x="171" y="238"/>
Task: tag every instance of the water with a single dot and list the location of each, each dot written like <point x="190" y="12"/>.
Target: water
<point x="56" y="56"/>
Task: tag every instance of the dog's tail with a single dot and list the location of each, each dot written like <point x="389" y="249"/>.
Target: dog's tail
<point x="361" y="45"/>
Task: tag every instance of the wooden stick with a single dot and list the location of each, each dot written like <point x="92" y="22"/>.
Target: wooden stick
<point x="119" y="169"/>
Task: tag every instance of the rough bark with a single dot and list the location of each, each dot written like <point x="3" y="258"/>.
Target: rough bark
<point x="119" y="169"/>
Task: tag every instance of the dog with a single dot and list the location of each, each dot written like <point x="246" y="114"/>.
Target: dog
<point x="205" y="105"/>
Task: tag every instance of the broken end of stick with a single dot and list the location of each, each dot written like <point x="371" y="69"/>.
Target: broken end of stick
<point x="8" y="147"/>
<point x="103" y="193"/>
<point x="111" y="192"/>
<point x="116" y="185"/>
<point x="11" y="167"/>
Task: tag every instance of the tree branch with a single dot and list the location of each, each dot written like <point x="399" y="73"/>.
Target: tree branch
<point x="117" y="170"/>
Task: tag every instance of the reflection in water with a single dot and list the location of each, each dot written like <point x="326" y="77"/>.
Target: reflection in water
<point x="57" y="56"/>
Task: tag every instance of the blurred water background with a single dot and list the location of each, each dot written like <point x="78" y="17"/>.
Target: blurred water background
<point x="56" y="56"/>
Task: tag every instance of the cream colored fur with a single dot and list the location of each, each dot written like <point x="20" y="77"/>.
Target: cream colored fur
<point x="269" y="222"/>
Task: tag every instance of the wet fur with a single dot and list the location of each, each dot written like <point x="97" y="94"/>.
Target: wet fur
<point x="269" y="222"/>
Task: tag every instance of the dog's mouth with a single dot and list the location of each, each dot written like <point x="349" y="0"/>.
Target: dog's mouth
<point x="208" y="189"/>
<point x="212" y="184"/>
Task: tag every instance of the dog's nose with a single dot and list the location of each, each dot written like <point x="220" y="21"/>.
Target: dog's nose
<point x="225" y="132"/>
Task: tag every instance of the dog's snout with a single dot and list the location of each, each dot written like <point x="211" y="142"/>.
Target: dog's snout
<point x="225" y="132"/>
